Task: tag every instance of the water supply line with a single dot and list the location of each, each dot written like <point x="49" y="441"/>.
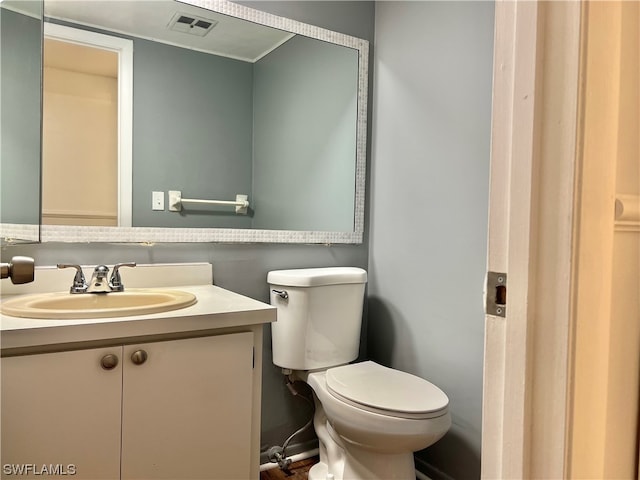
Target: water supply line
<point x="279" y="454"/>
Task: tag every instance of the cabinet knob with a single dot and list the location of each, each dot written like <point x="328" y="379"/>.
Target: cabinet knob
<point x="139" y="357"/>
<point x="109" y="362"/>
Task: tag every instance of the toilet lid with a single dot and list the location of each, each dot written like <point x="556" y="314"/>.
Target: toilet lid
<point x="387" y="391"/>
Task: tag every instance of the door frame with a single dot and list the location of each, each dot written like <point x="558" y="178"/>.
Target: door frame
<point x="534" y="154"/>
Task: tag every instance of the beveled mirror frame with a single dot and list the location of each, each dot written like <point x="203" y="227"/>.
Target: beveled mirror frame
<point x="60" y="233"/>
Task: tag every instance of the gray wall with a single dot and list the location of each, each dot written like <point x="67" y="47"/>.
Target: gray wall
<point x="192" y="129"/>
<point x="305" y="105"/>
<point x="243" y="268"/>
<point x="20" y="67"/>
<point x="431" y="132"/>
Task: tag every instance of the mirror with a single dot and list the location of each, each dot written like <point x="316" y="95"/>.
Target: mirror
<point x="278" y="115"/>
<point x="20" y="125"/>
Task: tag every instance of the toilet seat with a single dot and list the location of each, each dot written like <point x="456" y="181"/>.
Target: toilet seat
<point x="372" y="387"/>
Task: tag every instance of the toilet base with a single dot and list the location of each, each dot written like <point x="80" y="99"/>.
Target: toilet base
<point x="340" y="460"/>
<point x="318" y="472"/>
<point x="377" y="467"/>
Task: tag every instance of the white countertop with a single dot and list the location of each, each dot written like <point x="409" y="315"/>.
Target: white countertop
<point x="216" y="308"/>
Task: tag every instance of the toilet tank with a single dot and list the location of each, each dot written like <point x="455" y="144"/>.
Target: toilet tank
<point x="319" y="316"/>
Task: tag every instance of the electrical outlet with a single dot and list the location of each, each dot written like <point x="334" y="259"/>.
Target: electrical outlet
<point x="157" y="200"/>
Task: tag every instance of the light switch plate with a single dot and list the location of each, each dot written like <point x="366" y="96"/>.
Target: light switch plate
<point x="157" y="200"/>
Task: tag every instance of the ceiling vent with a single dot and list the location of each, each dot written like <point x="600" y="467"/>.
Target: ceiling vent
<point x="187" y="23"/>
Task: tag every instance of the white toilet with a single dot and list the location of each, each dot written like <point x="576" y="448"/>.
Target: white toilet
<point x="369" y="418"/>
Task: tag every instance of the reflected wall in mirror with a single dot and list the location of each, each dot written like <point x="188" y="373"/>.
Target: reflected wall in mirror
<point x="20" y="124"/>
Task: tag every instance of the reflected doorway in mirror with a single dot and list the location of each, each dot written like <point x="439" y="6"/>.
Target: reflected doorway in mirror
<point x="87" y="118"/>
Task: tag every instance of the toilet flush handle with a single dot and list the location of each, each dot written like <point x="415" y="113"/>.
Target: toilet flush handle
<point x="281" y="293"/>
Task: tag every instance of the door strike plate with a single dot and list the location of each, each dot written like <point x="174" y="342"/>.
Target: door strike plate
<point x="496" y="294"/>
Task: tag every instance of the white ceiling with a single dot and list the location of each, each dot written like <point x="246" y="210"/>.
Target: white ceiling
<point x="231" y="37"/>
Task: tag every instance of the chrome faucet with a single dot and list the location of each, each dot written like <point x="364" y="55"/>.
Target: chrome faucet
<point x="99" y="282"/>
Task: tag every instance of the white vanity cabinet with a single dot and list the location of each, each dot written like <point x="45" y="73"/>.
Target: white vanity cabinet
<point x="186" y="411"/>
<point x="58" y="409"/>
<point x="180" y="409"/>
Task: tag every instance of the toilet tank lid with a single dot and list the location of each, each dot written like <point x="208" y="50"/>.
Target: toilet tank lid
<point x="312" y="277"/>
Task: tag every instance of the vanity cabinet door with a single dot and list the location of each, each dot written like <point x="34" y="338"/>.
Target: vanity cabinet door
<point x="61" y="412"/>
<point x="187" y="408"/>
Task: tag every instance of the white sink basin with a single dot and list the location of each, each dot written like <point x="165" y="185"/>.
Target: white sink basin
<point x="63" y="305"/>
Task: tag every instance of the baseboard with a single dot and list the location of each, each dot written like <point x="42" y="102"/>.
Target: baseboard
<point x="426" y="471"/>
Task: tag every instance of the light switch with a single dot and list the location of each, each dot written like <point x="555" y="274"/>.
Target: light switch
<point x="157" y="200"/>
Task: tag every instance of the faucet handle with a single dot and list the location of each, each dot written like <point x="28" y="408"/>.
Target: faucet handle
<point x="115" y="282"/>
<point x="79" y="282"/>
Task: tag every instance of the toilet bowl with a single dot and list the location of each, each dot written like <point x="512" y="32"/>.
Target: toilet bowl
<point x="369" y="418"/>
<point x="378" y="417"/>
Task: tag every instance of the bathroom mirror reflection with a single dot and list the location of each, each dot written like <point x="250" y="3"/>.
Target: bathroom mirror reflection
<point x="217" y="106"/>
<point x="20" y="68"/>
